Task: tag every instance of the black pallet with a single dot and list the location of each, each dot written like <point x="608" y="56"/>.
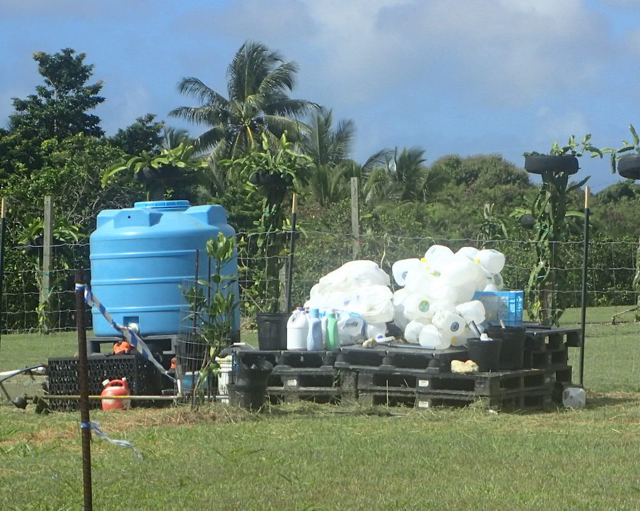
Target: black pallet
<point x="322" y="384"/>
<point x="547" y="359"/>
<point x="142" y="376"/>
<point x="493" y="385"/>
<point x="523" y="401"/>
<point x="399" y="358"/>
<point x="551" y="338"/>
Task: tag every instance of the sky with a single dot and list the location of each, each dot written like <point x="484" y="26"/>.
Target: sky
<point x="460" y="77"/>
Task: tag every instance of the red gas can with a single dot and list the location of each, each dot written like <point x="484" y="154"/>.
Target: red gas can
<point x="116" y="388"/>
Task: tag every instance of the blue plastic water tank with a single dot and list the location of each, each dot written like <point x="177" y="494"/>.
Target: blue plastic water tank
<point x="142" y="256"/>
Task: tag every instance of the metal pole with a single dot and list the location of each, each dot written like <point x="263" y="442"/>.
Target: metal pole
<point x="83" y="370"/>
<point x="47" y="258"/>
<point x="292" y="244"/>
<point x="585" y="266"/>
<point x="3" y="230"/>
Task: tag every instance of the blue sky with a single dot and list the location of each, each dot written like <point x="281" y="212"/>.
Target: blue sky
<point x="449" y="76"/>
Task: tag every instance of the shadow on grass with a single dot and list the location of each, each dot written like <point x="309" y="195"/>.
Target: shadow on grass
<point x="600" y="399"/>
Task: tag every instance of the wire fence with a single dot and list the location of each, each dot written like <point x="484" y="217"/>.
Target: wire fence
<point x="26" y="307"/>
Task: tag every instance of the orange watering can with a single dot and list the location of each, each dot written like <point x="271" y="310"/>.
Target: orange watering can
<point x="116" y="388"/>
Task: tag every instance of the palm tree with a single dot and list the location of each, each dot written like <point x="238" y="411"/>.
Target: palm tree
<point x="258" y="84"/>
<point x="402" y="178"/>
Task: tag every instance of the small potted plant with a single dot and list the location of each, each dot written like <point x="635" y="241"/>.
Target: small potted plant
<point x="560" y="159"/>
<point x="626" y="160"/>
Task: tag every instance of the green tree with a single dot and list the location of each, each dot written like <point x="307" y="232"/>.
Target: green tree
<point x="59" y="108"/>
<point x="272" y="173"/>
<point x="143" y="135"/>
<point x="401" y="179"/>
<point x="257" y="103"/>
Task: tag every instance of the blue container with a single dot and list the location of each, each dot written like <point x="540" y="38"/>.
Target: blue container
<point x="143" y="256"/>
<point x="507" y="306"/>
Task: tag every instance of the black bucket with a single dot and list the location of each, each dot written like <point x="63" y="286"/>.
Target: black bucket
<point x="272" y="331"/>
<point x="512" y="351"/>
<point x="250" y="372"/>
<point x="248" y="397"/>
<point x="485" y="353"/>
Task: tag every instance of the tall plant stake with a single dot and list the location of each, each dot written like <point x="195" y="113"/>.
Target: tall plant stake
<point x="292" y="244"/>
<point x="585" y="258"/>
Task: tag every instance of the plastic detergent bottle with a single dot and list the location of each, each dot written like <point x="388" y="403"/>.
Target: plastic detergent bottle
<point x="314" y="337"/>
<point x="297" y="330"/>
<point x="333" y="336"/>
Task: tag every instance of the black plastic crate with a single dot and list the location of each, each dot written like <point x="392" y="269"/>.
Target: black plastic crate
<point x="142" y="376"/>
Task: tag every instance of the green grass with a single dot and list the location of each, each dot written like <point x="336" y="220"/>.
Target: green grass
<point x="323" y="457"/>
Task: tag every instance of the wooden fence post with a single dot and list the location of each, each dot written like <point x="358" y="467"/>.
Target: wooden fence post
<point x="355" y="217"/>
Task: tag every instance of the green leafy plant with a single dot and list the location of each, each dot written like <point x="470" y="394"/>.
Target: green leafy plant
<point x="546" y="300"/>
<point x="168" y="164"/>
<point x="627" y="148"/>
<point x="214" y="304"/>
<point x="271" y="174"/>
<point x="573" y="148"/>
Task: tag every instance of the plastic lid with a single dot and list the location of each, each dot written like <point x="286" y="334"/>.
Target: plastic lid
<point x="163" y="204"/>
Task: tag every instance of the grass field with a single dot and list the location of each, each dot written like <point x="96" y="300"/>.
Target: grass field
<point x="322" y="457"/>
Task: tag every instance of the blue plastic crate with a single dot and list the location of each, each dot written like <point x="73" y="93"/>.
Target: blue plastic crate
<point x="507" y="306"/>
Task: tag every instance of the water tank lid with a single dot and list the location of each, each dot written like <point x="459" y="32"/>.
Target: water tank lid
<point x="163" y="204"/>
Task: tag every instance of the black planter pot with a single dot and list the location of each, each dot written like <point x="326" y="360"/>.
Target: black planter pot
<point x="272" y="331"/>
<point x="540" y="163"/>
<point x="512" y="350"/>
<point x="629" y="166"/>
<point x="485" y="353"/>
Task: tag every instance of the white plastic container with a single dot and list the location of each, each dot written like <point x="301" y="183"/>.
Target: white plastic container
<point x="449" y="323"/>
<point x="461" y="339"/>
<point x="224" y="377"/>
<point x="438" y="256"/>
<point x="471" y="311"/>
<point x="458" y="271"/>
<point x="491" y="260"/>
<point x="350" y="328"/>
<point x="418" y="307"/>
<point x="574" y="397"/>
<point x="400" y="269"/>
<point x="431" y="337"/>
<point x="412" y="331"/>
<point x="468" y="252"/>
<point x="373" y="330"/>
<point x="297" y="330"/>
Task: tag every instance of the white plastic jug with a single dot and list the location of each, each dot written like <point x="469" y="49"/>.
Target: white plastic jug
<point x="491" y="260"/>
<point x="461" y="339"/>
<point x="438" y="256"/>
<point x="297" y="330"/>
<point x="431" y="337"/>
<point x="418" y="306"/>
<point x="398" y="305"/>
<point x="400" y="269"/>
<point x="412" y="331"/>
<point x="449" y="323"/>
<point x="458" y="271"/>
<point x="471" y="311"/>
<point x="574" y="397"/>
<point x="350" y="328"/>
<point x="373" y="330"/>
<point x="468" y="252"/>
